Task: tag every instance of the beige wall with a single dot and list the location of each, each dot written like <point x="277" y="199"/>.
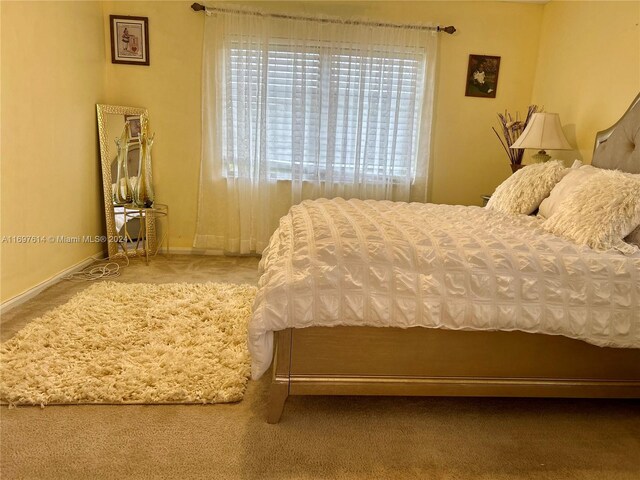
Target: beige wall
<point x="170" y="89"/>
<point x="580" y="59"/>
<point x="467" y="158"/>
<point x="588" y="67"/>
<point x="52" y="76"/>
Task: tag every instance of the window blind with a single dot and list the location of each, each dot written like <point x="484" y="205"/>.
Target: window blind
<point x="324" y="112"/>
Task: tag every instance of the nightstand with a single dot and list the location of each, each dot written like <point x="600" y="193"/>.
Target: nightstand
<point x="485" y="199"/>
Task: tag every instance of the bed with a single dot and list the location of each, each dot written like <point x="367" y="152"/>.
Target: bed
<point x="483" y="303"/>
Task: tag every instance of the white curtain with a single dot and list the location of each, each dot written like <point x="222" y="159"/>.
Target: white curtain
<point x="300" y="109"/>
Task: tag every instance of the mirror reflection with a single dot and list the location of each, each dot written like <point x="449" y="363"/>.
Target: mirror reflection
<point x="121" y="131"/>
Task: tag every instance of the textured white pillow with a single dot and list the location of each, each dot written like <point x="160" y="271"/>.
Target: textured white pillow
<point x="600" y="212"/>
<point x="565" y="187"/>
<point x="523" y="191"/>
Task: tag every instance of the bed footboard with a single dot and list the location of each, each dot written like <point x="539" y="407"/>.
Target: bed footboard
<point x="279" y="390"/>
<point x="431" y="362"/>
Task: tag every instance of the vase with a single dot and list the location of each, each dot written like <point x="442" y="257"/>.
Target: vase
<point x="143" y="193"/>
<point x="516" y="166"/>
<point x="124" y="192"/>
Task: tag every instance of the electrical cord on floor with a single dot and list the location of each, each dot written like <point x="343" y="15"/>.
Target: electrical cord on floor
<point x="106" y="269"/>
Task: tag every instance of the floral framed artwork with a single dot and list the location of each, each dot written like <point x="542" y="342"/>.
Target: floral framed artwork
<point x="482" y="76"/>
<point x="129" y="40"/>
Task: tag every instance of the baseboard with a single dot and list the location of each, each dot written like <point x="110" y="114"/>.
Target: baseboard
<point x="192" y="251"/>
<point x="33" y="291"/>
<point x="202" y="251"/>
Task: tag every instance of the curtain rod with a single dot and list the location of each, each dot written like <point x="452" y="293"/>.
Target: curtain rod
<point x="197" y="7"/>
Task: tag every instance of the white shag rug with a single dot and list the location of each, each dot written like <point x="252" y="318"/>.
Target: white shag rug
<point x="133" y="343"/>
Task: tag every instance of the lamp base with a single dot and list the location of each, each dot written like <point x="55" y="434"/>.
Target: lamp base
<point x="541" y="157"/>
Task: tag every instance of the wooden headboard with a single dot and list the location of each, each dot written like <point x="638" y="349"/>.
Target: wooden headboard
<point x="618" y="147"/>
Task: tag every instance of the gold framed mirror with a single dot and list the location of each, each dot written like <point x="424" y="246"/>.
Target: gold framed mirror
<point x="111" y="122"/>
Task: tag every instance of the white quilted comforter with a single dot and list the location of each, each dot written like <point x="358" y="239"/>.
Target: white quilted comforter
<point x="386" y="264"/>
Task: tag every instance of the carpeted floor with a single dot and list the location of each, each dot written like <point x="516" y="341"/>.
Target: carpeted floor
<point x="318" y="437"/>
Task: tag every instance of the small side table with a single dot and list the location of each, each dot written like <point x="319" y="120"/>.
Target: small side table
<point x="147" y="236"/>
<point x="485" y="200"/>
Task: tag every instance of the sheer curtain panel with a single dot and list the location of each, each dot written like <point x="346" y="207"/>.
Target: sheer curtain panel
<point x="300" y="109"/>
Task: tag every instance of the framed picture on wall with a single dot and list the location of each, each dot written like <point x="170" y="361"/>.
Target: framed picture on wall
<point x="129" y="40"/>
<point x="134" y="126"/>
<point x="482" y="76"/>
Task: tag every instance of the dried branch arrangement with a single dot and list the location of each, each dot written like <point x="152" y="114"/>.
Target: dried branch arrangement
<point x="511" y="130"/>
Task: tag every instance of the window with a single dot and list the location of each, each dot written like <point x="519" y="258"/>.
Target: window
<point x="323" y="112"/>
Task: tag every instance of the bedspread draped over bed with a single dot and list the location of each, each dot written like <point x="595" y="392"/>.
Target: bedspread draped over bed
<point x="385" y="264"/>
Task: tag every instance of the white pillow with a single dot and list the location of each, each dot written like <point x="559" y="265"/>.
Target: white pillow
<point x="600" y="212"/>
<point x="523" y="191"/>
<point x="565" y="187"/>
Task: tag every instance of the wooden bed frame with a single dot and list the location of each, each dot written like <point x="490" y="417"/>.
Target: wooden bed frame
<point x="423" y="361"/>
<point x="432" y="362"/>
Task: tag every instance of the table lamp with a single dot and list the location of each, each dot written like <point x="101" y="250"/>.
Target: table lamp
<point x="543" y="132"/>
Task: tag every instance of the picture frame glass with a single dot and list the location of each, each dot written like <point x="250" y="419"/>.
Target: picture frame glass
<point x="482" y="76"/>
<point x="129" y="38"/>
<point x="134" y="125"/>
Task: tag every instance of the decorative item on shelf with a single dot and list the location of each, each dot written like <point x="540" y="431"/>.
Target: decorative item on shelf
<point x="543" y="132"/>
<point x="143" y="193"/>
<point x="123" y="191"/>
<point x="511" y="130"/>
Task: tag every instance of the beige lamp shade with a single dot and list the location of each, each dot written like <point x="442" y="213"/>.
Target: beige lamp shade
<point x="543" y="132"/>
